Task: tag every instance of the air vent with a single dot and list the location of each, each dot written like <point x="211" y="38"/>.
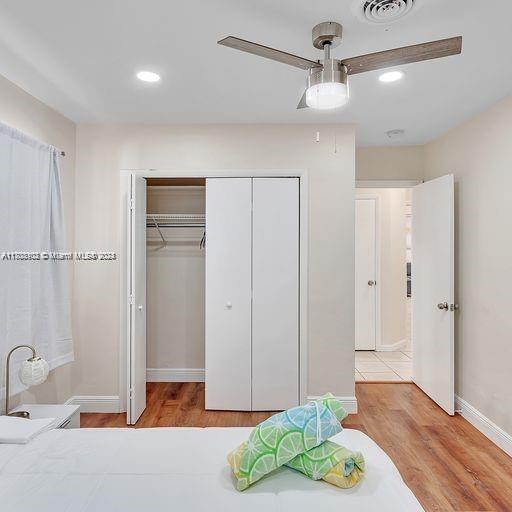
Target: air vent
<point x="386" y="11"/>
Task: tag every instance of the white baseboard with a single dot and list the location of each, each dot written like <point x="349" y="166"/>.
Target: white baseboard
<point x="488" y="428"/>
<point x="96" y="403"/>
<point x="349" y="402"/>
<point x="175" y="374"/>
<point x="391" y="348"/>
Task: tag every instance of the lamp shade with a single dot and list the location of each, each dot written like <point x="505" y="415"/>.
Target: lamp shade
<point x="327" y="95"/>
<point x="328" y="88"/>
<point x="34" y="371"/>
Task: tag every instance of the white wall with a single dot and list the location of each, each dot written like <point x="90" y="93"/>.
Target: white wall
<point x="23" y="112"/>
<point x="175" y="291"/>
<point x="102" y="150"/>
<point x="479" y="154"/>
<point x="392" y="284"/>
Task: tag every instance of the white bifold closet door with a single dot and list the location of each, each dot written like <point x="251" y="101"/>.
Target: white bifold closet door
<point x="252" y="293"/>
<point x="137" y="291"/>
<point x="228" y="294"/>
<point x="275" y="282"/>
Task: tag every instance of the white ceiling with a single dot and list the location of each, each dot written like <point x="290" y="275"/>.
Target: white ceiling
<point x="80" y="57"/>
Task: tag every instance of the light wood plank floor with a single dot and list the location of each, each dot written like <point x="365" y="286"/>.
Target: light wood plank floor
<point x="447" y="463"/>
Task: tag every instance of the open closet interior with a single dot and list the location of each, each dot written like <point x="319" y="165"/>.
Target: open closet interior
<point x="175" y="282"/>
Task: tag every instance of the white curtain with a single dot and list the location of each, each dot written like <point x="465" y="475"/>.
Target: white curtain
<point x="35" y="295"/>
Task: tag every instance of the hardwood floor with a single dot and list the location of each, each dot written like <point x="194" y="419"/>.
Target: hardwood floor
<point x="446" y="462"/>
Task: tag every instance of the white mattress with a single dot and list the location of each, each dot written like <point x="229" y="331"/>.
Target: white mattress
<point x="174" y="469"/>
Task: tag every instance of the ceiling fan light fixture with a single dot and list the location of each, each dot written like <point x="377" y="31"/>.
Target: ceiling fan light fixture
<point x="327" y="95"/>
<point x="328" y="88"/>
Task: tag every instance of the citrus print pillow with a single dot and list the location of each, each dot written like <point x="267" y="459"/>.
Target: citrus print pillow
<point x="328" y="461"/>
<point x="280" y="438"/>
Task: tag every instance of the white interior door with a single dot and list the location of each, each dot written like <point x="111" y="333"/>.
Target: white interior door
<point x="365" y="273"/>
<point x="433" y="290"/>
<point x="137" y="298"/>
<point x="228" y="293"/>
<point x="275" y="308"/>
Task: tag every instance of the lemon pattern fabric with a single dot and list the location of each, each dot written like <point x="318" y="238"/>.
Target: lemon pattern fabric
<point x="280" y="438"/>
<point x="332" y="463"/>
<point x="329" y="462"/>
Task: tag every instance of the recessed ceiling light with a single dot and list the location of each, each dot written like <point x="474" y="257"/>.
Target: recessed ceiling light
<point x="148" y="76"/>
<point x="391" y="76"/>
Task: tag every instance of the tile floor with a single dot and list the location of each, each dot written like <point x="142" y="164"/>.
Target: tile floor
<point x="383" y="366"/>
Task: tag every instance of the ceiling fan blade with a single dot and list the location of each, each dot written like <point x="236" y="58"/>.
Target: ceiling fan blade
<point x="269" y="53"/>
<point x="302" y="102"/>
<point x="405" y="55"/>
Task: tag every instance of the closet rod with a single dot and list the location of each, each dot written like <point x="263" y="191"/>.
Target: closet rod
<point x="151" y="225"/>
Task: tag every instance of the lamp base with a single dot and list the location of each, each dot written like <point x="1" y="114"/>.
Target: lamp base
<point x="20" y="414"/>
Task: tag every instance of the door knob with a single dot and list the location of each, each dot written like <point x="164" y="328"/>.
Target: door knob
<point x="371" y="282"/>
<point x="443" y="305"/>
<point x="139" y="307"/>
<point x="229" y="305"/>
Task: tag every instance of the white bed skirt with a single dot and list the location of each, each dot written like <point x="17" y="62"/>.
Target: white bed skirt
<point x="182" y="470"/>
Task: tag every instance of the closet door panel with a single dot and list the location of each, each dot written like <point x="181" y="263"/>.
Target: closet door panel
<point x="228" y="294"/>
<point x="275" y="311"/>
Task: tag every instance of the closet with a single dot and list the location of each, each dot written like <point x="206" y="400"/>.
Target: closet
<point x="252" y="293"/>
<point x="214" y="290"/>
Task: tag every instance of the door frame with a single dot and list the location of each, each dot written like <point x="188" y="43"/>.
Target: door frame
<point x="362" y="184"/>
<point x="376" y="199"/>
<point x="124" y="273"/>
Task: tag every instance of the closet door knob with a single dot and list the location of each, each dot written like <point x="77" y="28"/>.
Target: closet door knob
<point x="229" y="305"/>
<point x="139" y="307"/>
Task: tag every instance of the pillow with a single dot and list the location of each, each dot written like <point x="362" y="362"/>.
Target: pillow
<point x="280" y="438"/>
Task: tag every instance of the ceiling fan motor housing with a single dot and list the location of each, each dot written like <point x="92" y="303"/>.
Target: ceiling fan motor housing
<point x="333" y="71"/>
<point x="328" y="32"/>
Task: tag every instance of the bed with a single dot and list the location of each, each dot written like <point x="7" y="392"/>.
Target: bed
<point x="177" y="469"/>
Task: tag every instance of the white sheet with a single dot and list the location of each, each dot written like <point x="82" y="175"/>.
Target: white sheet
<point x="185" y="470"/>
<point x="15" y="430"/>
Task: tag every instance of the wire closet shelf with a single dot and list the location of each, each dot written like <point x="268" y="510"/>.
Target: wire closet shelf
<point x="174" y="220"/>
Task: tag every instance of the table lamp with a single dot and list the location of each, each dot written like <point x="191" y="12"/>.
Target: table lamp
<point x="33" y="371"/>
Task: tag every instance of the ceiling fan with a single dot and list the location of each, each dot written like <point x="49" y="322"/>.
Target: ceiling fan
<point x="327" y="81"/>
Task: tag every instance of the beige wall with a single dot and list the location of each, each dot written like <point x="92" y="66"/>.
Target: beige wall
<point x="392" y="284"/>
<point x="390" y="163"/>
<point x="103" y="150"/>
<point x="22" y="111"/>
<point x="479" y="154"/>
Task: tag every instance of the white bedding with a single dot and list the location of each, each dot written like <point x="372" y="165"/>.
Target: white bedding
<point x="174" y="469"/>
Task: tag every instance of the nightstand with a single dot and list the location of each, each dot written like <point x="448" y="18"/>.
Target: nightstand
<point x="66" y="416"/>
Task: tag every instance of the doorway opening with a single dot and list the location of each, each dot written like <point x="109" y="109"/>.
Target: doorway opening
<point x="175" y="279"/>
<point x="383" y="284"/>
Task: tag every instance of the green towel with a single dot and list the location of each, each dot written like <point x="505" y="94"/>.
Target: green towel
<point x="280" y="438"/>
<point x="328" y="461"/>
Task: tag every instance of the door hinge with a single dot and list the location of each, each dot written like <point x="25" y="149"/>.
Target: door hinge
<point x="132" y="204"/>
<point x="131" y="299"/>
<point x="131" y="393"/>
